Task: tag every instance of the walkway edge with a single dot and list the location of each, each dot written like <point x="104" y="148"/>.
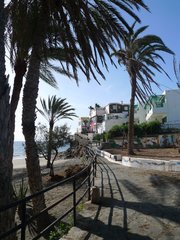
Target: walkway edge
<point x="144" y="163"/>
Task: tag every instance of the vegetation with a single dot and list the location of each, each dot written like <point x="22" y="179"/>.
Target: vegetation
<point x="60" y="230"/>
<point x="59" y="137"/>
<point x="140" y="130"/>
<point x="54" y="110"/>
<point x="6" y="189"/>
<point x="85" y="31"/>
<point x="140" y="56"/>
<point x="64" y="227"/>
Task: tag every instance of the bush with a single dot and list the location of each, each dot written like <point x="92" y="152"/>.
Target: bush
<point x="153" y="128"/>
<point x="115" y="131"/>
<point x="140" y="130"/>
<point x="59" y="231"/>
<point x="97" y="137"/>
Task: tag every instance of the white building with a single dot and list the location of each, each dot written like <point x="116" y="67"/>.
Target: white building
<point x="103" y="118"/>
<point x="164" y="108"/>
<point x="83" y="125"/>
<point x="96" y="115"/>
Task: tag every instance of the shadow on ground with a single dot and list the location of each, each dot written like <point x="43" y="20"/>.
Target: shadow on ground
<point x="106" y="232"/>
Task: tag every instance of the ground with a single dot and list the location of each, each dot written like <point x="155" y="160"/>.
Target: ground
<point x="146" y="193"/>
<point x="157" y="153"/>
<point x="135" y="204"/>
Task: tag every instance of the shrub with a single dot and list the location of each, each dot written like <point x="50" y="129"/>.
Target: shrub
<point x="153" y="128"/>
<point x="97" y="137"/>
<point x="115" y="131"/>
<point x="59" y="231"/>
<point x="140" y="130"/>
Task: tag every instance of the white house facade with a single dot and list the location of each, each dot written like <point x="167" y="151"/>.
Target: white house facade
<point x="164" y="108"/>
<point x="103" y="118"/>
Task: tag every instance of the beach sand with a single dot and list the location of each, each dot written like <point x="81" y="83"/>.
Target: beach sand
<point x="21" y="163"/>
<point x="19" y="166"/>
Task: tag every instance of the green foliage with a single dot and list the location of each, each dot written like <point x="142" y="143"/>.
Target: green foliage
<point x="105" y="136"/>
<point x="80" y="207"/>
<point x="60" y="135"/>
<point x="21" y="190"/>
<point x="153" y="128"/>
<point x="140" y="130"/>
<point x="55" y="109"/>
<point x="59" y="231"/>
<point x="63" y="227"/>
<point x="97" y="137"/>
<point x="117" y="131"/>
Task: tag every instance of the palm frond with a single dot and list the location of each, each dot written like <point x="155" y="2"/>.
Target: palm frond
<point x="140" y="55"/>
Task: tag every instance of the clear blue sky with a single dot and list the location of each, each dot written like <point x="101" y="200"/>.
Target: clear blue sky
<point x="163" y="21"/>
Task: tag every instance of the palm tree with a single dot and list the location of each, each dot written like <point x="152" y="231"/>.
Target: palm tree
<point x="18" y="33"/>
<point x="6" y="190"/>
<point x="177" y="71"/>
<point x="140" y="56"/>
<point x="53" y="111"/>
<point x="86" y="30"/>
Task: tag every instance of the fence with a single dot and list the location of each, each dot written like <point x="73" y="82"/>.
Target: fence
<point x="24" y="221"/>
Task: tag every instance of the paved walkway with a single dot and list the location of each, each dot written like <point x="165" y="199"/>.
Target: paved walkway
<point x="135" y="204"/>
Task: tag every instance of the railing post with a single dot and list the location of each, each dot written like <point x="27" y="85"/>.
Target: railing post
<point x="89" y="184"/>
<point x="74" y="201"/>
<point x="23" y="219"/>
<point x="95" y="165"/>
<point x="93" y="174"/>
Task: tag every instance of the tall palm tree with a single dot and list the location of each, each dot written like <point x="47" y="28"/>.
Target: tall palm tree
<point x="87" y="30"/>
<point x="93" y="27"/>
<point x="18" y="33"/>
<point x="140" y="56"/>
<point x="6" y="190"/>
<point x="53" y="111"/>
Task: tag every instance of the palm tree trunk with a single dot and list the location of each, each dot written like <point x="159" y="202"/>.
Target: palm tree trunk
<point x="131" y="118"/>
<point x="49" y="145"/>
<point x="20" y="70"/>
<point x="6" y="191"/>
<point x="28" y="121"/>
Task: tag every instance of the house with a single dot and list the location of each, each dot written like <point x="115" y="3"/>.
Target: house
<point x="165" y="108"/>
<point x="83" y="125"/>
<point x="103" y="118"/>
<point x="96" y="116"/>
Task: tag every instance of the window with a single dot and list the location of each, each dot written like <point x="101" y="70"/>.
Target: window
<point x="126" y="108"/>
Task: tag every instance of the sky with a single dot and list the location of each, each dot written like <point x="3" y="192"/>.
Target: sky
<point x="163" y="21"/>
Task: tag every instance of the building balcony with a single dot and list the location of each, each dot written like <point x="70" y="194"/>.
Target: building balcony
<point x="156" y="113"/>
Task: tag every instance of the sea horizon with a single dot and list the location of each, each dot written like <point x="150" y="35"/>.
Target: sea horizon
<point x="19" y="149"/>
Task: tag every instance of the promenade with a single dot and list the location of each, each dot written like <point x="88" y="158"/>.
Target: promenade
<point x="135" y="204"/>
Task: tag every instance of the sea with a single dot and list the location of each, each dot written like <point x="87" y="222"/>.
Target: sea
<point x="19" y="149"/>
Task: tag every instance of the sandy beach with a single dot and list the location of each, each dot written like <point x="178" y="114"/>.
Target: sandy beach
<point x="21" y="163"/>
<point x="19" y="166"/>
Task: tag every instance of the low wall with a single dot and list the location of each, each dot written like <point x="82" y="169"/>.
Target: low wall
<point x="161" y="165"/>
<point x="144" y="163"/>
<point x="108" y="155"/>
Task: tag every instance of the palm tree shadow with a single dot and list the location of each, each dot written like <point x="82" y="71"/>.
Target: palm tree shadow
<point x="109" y="231"/>
<point x="106" y="231"/>
<point x="150" y="208"/>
